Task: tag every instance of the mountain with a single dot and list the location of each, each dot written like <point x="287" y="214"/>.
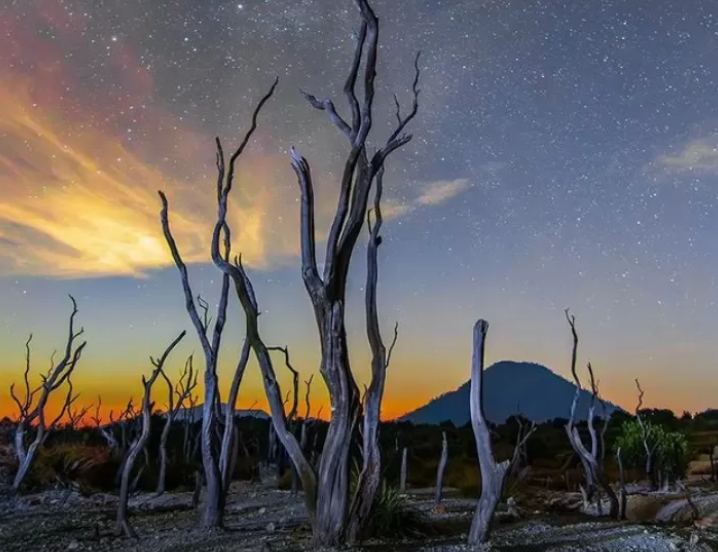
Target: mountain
<point x="195" y="414"/>
<point x="510" y="387"/>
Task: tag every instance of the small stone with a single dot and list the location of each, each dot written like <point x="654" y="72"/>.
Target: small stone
<point x="262" y="511"/>
<point x="271" y="527"/>
<point x="74" y="545"/>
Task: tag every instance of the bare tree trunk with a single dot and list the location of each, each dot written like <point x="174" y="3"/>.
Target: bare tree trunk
<point x="493" y="474"/>
<point x="198" y="484"/>
<point x="402" y="473"/>
<point x="228" y="438"/>
<point x="271" y="446"/>
<point x="441" y="469"/>
<point x="162" y="478"/>
<point x="139" y="444"/>
<point x="247" y="298"/>
<point x="186" y="384"/>
<point x="233" y="457"/>
<point x="370" y="475"/>
<point x="649" y="449"/>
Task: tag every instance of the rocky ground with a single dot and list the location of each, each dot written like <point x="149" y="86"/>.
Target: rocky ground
<point x="260" y="519"/>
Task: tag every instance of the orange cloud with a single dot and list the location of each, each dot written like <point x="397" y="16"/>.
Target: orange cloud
<point x="81" y="161"/>
<point x="81" y="204"/>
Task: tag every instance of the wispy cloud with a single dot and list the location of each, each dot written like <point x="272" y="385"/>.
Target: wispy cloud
<point x="700" y="154"/>
<point x="440" y="191"/>
<point x="429" y="194"/>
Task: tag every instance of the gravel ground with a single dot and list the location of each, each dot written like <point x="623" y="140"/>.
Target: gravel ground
<point x="262" y="520"/>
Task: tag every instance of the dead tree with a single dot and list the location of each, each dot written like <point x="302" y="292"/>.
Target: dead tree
<point x="327" y="293"/>
<point x="291" y="417"/>
<point x="304" y="435"/>
<point x="227" y="455"/>
<point x="127" y="417"/>
<point x="140" y="441"/>
<point x="649" y="448"/>
<point x="590" y="458"/>
<point x="188" y="417"/>
<point x="183" y="389"/>
<point x="215" y="476"/>
<point x="106" y="432"/>
<point x="326" y="493"/>
<point x="520" y="456"/>
<point x="370" y="475"/>
<point x="402" y="472"/>
<point x="493" y="474"/>
<point x="622" y="496"/>
<point x="75" y="416"/>
<point x="441" y="470"/>
<point x="33" y="413"/>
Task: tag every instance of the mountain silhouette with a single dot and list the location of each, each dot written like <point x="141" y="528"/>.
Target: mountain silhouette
<point x="195" y="414"/>
<point x="510" y="388"/>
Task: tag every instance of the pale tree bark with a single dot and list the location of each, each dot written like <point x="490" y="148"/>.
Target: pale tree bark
<point x="247" y="298"/>
<point x="106" y="430"/>
<point x="520" y="457"/>
<point x="591" y="458"/>
<point x="649" y="448"/>
<point x="188" y="415"/>
<point x="76" y="416"/>
<point x="212" y="514"/>
<point x="140" y="441"/>
<point x="304" y="436"/>
<point x="291" y="417"/>
<point x="33" y="413"/>
<point x="227" y="456"/>
<point x="403" y="470"/>
<point x="128" y="417"/>
<point x="328" y="292"/>
<point x="440" y="470"/>
<point x="122" y="421"/>
<point x="215" y="476"/>
<point x="493" y="474"/>
<point x="370" y="475"/>
<point x="186" y="384"/>
<point x="326" y="493"/>
<point x="622" y="497"/>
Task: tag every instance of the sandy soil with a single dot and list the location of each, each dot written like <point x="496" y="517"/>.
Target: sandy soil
<point x="259" y="519"/>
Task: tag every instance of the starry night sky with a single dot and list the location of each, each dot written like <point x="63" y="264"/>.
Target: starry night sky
<point x="565" y="155"/>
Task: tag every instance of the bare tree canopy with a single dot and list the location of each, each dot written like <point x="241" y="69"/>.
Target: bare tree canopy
<point x="216" y="469"/>
<point x="591" y="458"/>
<point x="140" y="442"/>
<point x="31" y="412"/>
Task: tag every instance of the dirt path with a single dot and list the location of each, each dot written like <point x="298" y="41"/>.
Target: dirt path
<point x="261" y="520"/>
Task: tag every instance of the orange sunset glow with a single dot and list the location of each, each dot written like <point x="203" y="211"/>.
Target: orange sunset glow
<point x="487" y="212"/>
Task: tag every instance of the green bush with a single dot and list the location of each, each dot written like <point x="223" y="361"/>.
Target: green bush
<point x="394" y="517"/>
<point x="89" y="467"/>
<point x="671" y="448"/>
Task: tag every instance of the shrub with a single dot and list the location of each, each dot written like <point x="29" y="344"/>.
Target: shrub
<point x="394" y="517"/>
<point x="89" y="467"/>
